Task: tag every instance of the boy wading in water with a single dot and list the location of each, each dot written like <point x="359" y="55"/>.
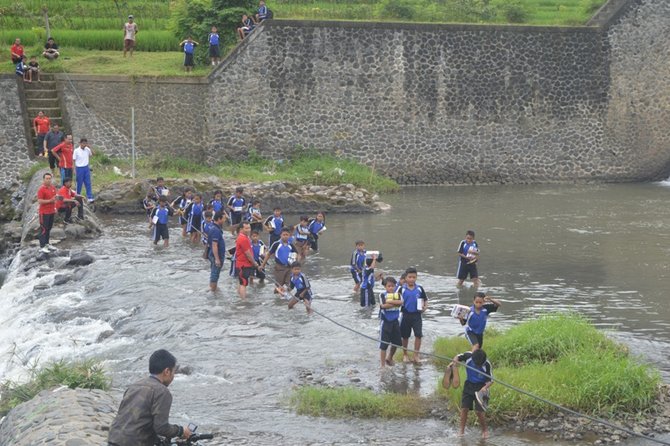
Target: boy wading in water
<point x="476" y="388"/>
<point x="468" y="255"/>
<point x="414" y="303"/>
<point x="390" y="302"/>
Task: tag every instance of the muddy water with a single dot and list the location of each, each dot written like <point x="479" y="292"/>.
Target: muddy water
<point x="601" y="250"/>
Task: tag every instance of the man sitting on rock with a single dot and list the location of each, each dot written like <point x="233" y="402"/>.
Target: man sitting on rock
<point x="145" y="409"/>
<point x="70" y="201"/>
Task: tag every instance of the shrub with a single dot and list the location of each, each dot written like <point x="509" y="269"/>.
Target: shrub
<point x="514" y="12"/>
<point x="397" y="9"/>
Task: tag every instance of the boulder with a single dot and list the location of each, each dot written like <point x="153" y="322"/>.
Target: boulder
<point x="81" y="258"/>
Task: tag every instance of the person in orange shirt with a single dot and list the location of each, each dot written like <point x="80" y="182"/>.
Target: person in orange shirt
<point x="41" y="125"/>
<point x="69" y="201"/>
<point x="63" y="153"/>
<point x="17" y="51"/>
<point x="46" y="197"/>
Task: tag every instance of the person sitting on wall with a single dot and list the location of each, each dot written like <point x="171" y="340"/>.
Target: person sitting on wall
<point x="246" y="28"/>
<point x="263" y="13"/>
<point x="17" y="52"/>
<point x="51" y="49"/>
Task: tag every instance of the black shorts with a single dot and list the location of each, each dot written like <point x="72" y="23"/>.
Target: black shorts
<point x="259" y="273"/>
<point x="243" y="274"/>
<point x="257" y="227"/>
<point x="183" y="221"/>
<point x="53" y="163"/>
<point x="356" y="276"/>
<point x="390" y="333"/>
<point x="161" y="232"/>
<point x="465" y="269"/>
<point x="196" y="223"/>
<point x="411" y="322"/>
<point x="188" y="60"/>
<point x="468" y="400"/>
<point x="214" y="51"/>
<point x="273" y="238"/>
<point x="367" y="297"/>
<point x="235" y="218"/>
<point x="474" y="338"/>
<point x="314" y="242"/>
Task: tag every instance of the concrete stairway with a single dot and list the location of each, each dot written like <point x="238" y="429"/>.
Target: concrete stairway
<point x="43" y="96"/>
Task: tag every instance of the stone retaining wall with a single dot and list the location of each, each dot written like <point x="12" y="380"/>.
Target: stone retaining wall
<point x="169" y="114"/>
<point x="13" y="144"/>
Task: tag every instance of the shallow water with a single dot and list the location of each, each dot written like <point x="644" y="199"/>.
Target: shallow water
<point x="600" y="250"/>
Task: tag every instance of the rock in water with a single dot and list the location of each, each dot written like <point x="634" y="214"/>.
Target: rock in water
<point x="81" y="258"/>
<point x="60" y="279"/>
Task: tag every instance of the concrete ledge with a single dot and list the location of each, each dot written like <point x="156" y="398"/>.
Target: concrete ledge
<point x="609" y="12"/>
<point x="427" y="26"/>
<point x="130" y="79"/>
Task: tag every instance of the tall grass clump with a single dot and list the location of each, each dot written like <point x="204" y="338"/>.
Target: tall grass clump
<point x="561" y="358"/>
<point x="87" y="374"/>
<point x="351" y="402"/>
<point x="107" y="39"/>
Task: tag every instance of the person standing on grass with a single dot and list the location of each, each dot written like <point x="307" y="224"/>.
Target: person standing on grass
<point x="41" y="125"/>
<point x="64" y="154"/>
<point x="189" y="51"/>
<point x="46" y="197"/>
<point x="130" y="31"/>
<point x="81" y="156"/>
<point x="214" y="50"/>
<point x="51" y="140"/>
<point x="475" y="323"/>
<point x="17" y="52"/>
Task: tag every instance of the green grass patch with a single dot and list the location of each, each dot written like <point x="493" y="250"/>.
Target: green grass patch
<point x="305" y="168"/>
<point x="561" y="358"/>
<point x="87" y="374"/>
<point x="348" y="402"/>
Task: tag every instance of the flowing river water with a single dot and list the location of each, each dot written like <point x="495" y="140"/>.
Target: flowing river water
<point x="598" y="249"/>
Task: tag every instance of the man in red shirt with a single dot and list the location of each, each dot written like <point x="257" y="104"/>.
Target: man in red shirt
<point x="41" y="125"/>
<point x="17" y="51"/>
<point x="63" y="153"/>
<point x="244" y="258"/>
<point x="69" y="201"/>
<point x="46" y="197"/>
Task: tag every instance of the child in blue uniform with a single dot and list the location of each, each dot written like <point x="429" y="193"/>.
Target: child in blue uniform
<point x="284" y="253"/>
<point x="159" y="218"/>
<point x="301" y="237"/>
<point x="217" y="202"/>
<point x="237" y="206"/>
<point x="303" y="291"/>
<point x="207" y="222"/>
<point x="148" y="204"/>
<point x="274" y="225"/>
<point x="180" y="204"/>
<point x="357" y="264"/>
<point x="368" y="282"/>
<point x="214" y="50"/>
<point x="475" y="323"/>
<point x="193" y="213"/>
<point x="258" y="247"/>
<point x="390" y="302"/>
<point x="160" y="190"/>
<point x="316" y="227"/>
<point x="476" y="387"/>
<point x="468" y="255"/>
<point x="414" y="304"/>
<point x="254" y="216"/>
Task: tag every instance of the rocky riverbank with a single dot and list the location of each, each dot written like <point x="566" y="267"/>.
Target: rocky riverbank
<point x="125" y="197"/>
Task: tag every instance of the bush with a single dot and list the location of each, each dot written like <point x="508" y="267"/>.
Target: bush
<point x="87" y="374"/>
<point x="397" y="9"/>
<point x="514" y="12"/>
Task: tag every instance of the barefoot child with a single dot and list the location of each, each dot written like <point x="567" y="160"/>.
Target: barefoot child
<point x="301" y="238"/>
<point x="193" y="213"/>
<point x="475" y="323"/>
<point x="303" y="291"/>
<point x="468" y="255"/>
<point x="258" y="247"/>
<point x="414" y="303"/>
<point x="368" y="282"/>
<point x="159" y="218"/>
<point x="475" y="389"/>
<point x="390" y="301"/>
<point x="180" y="204"/>
<point x="284" y="254"/>
<point x="316" y="227"/>
<point x="274" y="224"/>
<point x="357" y="264"/>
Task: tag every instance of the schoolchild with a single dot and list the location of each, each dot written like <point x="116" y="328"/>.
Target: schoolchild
<point x="468" y="255"/>
<point x="274" y="225"/>
<point x="402" y="280"/>
<point x="316" y="226"/>
<point x="160" y="190"/>
<point x="390" y="302"/>
<point x="368" y="282"/>
<point x="148" y="204"/>
<point x="476" y="388"/>
<point x="301" y="237"/>
<point x="254" y="216"/>
<point x="357" y="264"/>
<point x="258" y="247"/>
<point x="246" y="28"/>
<point x="189" y="50"/>
<point x="284" y="254"/>
<point x="159" y="218"/>
<point x="214" y="50"/>
<point x="475" y="322"/>
<point x="34" y="69"/>
<point x="236" y="206"/>
<point x="414" y="303"/>
<point x="180" y="204"/>
<point x="193" y="213"/>
<point x="216" y="249"/>
<point x="217" y="202"/>
<point x="207" y="222"/>
<point x="303" y="290"/>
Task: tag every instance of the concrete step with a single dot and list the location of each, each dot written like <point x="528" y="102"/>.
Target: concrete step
<point x="42" y="103"/>
<point x="41" y="93"/>
<point x="47" y="76"/>
<point x="49" y="111"/>
<point x="43" y="84"/>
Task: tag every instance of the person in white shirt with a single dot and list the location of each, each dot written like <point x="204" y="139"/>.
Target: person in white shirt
<point x="129" y="31"/>
<point x="81" y="157"/>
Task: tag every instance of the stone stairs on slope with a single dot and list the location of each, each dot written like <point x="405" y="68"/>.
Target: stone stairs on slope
<point x="43" y="96"/>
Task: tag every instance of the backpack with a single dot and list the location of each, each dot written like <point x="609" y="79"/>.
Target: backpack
<point x="270" y="14"/>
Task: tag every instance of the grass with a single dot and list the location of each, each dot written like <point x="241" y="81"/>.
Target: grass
<point x="87" y="374"/>
<point x="561" y="358"/>
<point x="351" y="402"/>
<point x="303" y="168"/>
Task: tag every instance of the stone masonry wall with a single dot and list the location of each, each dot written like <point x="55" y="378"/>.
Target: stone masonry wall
<point x="170" y="114"/>
<point x="13" y="146"/>
<point x="451" y="103"/>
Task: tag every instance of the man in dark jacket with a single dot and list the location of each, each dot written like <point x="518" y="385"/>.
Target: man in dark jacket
<point x="145" y="409"/>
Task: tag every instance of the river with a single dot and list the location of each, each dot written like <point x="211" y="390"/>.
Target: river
<point x="598" y="249"/>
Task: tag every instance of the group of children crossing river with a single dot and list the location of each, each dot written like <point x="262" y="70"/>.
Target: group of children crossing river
<point x="401" y="303"/>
